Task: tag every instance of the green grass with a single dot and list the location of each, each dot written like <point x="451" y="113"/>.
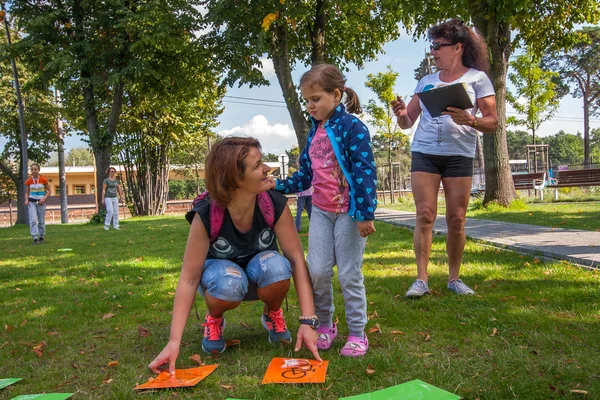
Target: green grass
<point x="569" y="215"/>
<point x="545" y="317"/>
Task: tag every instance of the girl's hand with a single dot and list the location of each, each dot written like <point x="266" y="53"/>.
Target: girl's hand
<point x="459" y="116"/>
<point x="308" y="336"/>
<point x="168" y="355"/>
<point x="26" y="202"/>
<point x="366" y="228"/>
<point x="399" y="107"/>
<point x="42" y="200"/>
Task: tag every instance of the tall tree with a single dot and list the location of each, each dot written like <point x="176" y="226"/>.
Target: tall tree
<point x="535" y="97"/>
<point x="517" y="142"/>
<point x="565" y="149"/>
<point x="384" y="121"/>
<point x="39" y="116"/>
<point x="297" y="32"/>
<point x="79" y="156"/>
<point x="93" y="51"/>
<point x="579" y="68"/>
<point x="426" y="67"/>
<point x="539" y="24"/>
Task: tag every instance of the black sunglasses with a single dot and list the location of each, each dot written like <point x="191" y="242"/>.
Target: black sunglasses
<point x="437" y="46"/>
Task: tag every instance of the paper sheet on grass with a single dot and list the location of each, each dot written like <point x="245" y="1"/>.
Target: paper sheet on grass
<point x="413" y="390"/>
<point x="295" y="370"/>
<point x="7" y="382"/>
<point x="183" y="378"/>
<point x="44" y="396"/>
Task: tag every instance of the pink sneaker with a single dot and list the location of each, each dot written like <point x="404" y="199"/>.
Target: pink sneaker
<point x="355" y="347"/>
<point x="326" y="336"/>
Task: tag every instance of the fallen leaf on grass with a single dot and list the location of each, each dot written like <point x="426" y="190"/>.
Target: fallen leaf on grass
<point x="226" y="386"/>
<point x="107" y="316"/>
<point x="39" y="348"/>
<point x="375" y="328"/>
<point x="374" y="315"/>
<point x="398" y="333"/>
<point x="23" y="323"/>
<point x="232" y="342"/>
<point x="107" y="381"/>
<point x="196" y="358"/>
<point x="113" y="363"/>
<point x="143" y="332"/>
<point x="328" y="387"/>
<point x="139" y="259"/>
<point x="578" y="391"/>
<point x="370" y="371"/>
<point x="494" y="331"/>
<point x="92" y="244"/>
<point x="425" y="335"/>
<point x="244" y="325"/>
<point x="398" y="295"/>
<point x="8" y="328"/>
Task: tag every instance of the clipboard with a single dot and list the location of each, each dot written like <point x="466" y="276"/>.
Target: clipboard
<point x="439" y="99"/>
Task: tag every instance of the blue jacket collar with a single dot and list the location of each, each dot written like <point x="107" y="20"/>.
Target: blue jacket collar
<point x="339" y="111"/>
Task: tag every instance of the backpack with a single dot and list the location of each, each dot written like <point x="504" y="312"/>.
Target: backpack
<point x="217" y="213"/>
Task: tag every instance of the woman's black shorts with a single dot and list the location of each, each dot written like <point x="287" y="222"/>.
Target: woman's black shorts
<point x="446" y="166"/>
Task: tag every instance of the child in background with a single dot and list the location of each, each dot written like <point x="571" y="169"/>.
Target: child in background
<point x="37" y="189"/>
<point x="338" y="162"/>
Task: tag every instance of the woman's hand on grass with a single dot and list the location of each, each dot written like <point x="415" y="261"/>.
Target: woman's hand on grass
<point x="167" y="356"/>
<point x="308" y="336"/>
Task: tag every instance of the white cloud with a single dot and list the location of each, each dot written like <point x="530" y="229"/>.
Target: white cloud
<point x="273" y="138"/>
<point x="267" y="69"/>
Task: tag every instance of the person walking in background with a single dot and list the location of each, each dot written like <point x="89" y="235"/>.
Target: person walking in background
<point x="304" y="202"/>
<point x="111" y="195"/>
<point x="443" y="148"/>
<point x="37" y="189"/>
<point x="338" y="163"/>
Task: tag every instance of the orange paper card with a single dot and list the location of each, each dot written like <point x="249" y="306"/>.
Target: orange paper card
<point x="295" y="370"/>
<point x="182" y="378"/>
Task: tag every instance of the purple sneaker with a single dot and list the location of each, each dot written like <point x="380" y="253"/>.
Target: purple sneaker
<point x="355" y="346"/>
<point x="326" y="336"/>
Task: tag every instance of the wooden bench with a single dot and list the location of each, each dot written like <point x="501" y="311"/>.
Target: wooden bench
<point x="575" y="178"/>
<point x="535" y="181"/>
<point x="529" y="181"/>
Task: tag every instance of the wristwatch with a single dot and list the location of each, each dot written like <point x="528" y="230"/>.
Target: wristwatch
<point x="313" y="322"/>
<point x="475" y="123"/>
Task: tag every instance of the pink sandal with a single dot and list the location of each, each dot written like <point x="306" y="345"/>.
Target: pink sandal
<point x="326" y="336"/>
<point x="355" y="346"/>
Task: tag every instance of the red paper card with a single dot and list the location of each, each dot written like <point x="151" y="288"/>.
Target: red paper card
<point x="182" y="378"/>
<point x="295" y="370"/>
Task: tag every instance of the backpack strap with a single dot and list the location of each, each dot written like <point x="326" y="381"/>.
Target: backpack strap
<point x="217" y="213"/>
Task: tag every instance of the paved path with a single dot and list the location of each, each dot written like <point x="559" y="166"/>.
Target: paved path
<point x="576" y="246"/>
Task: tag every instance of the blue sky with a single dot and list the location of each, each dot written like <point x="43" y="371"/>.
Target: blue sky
<point x="271" y="124"/>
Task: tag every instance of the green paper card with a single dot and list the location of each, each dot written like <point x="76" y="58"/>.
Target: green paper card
<point x="44" y="396"/>
<point x="7" y="382"/>
<point x="413" y="390"/>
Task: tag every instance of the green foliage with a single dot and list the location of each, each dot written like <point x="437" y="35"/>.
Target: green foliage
<point x="517" y="142"/>
<point x="185" y="189"/>
<point x="565" y="149"/>
<point x="98" y="218"/>
<point x="40" y="112"/>
<point x="535" y="95"/>
<point x="79" y="156"/>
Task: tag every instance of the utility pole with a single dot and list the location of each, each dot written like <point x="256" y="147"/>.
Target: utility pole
<point x="22" y="212"/>
<point x="64" y="209"/>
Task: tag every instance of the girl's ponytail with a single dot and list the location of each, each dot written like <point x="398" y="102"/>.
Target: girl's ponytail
<point x="352" y="102"/>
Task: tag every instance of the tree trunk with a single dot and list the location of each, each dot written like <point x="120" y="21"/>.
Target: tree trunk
<point x="317" y="35"/>
<point x="586" y="130"/>
<point x="499" y="185"/>
<point x="281" y="63"/>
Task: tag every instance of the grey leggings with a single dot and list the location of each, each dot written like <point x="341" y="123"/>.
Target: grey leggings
<point x="333" y="238"/>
